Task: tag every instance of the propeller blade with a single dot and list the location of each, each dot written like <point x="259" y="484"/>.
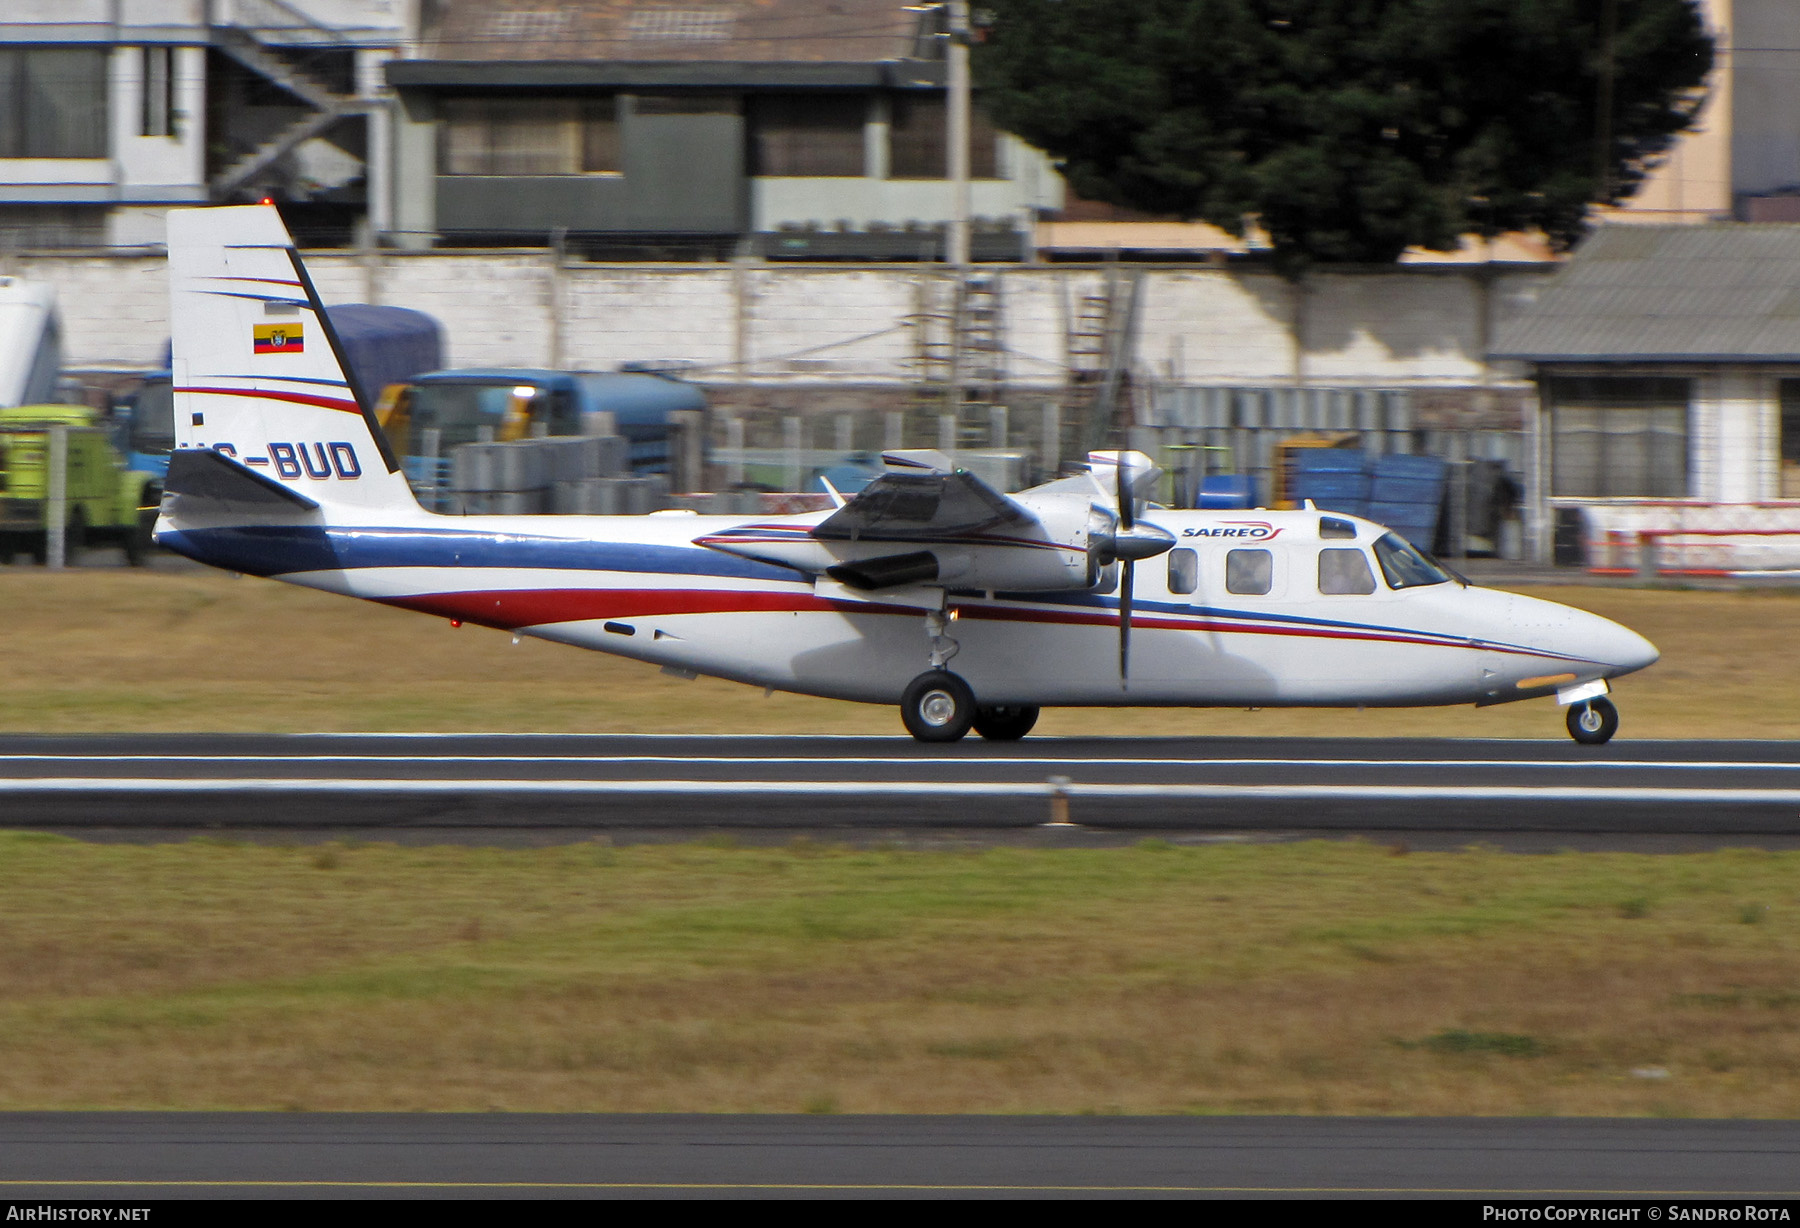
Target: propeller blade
<point x="1127" y="513"/>
<point x="1126" y="577"/>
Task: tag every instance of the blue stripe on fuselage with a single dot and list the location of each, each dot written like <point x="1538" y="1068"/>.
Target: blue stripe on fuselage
<point x="274" y="550"/>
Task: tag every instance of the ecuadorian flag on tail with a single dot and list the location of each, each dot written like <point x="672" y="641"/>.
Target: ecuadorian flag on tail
<point x="278" y="338"/>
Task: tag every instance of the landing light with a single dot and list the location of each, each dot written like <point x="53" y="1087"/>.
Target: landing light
<point x="524" y="392"/>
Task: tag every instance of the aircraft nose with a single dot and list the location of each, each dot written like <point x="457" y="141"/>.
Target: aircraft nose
<point x="1626" y="650"/>
<point x="1618" y="650"/>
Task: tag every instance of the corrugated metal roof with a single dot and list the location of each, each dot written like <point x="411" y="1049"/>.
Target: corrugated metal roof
<point x="1727" y="292"/>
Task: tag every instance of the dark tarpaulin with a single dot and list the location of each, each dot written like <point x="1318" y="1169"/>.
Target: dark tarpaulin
<point x="386" y="345"/>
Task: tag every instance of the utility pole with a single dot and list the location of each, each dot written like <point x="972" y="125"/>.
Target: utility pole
<point x="1603" y="103"/>
<point x="958" y="122"/>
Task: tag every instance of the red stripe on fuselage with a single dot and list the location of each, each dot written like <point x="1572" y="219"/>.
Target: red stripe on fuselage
<point x="510" y="609"/>
<point x="295" y="398"/>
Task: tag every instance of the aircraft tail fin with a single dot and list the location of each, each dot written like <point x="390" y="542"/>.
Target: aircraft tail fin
<point x="259" y="374"/>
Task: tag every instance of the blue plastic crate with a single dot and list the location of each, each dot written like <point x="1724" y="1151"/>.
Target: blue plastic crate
<point x="1407" y="490"/>
<point x="1410" y="520"/>
<point x="1227" y="490"/>
<point x="1330" y="484"/>
<point x="1326" y="460"/>
<point x="1432" y="468"/>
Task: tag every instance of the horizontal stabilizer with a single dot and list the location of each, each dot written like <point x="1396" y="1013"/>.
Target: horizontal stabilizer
<point x="202" y="473"/>
<point x="920" y="507"/>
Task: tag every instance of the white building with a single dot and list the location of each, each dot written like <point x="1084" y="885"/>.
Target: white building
<point x="113" y="110"/>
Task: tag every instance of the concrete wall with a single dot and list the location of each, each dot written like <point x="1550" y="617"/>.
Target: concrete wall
<point x="836" y="323"/>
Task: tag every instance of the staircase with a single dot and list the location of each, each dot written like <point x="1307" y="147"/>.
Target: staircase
<point x="254" y="47"/>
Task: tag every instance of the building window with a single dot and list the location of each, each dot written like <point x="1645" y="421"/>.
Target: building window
<point x="52" y="225"/>
<point x="917" y="148"/>
<point x="1622" y="437"/>
<point x="686" y="104"/>
<point x="1790" y="439"/>
<point x="530" y="136"/>
<point x="157" y="116"/>
<point x="807" y="135"/>
<point x="53" y="102"/>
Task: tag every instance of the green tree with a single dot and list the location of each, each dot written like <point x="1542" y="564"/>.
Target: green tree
<point x="1349" y="130"/>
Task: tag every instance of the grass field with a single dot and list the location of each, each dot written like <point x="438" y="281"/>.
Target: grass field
<point x="1303" y="978"/>
<point x="1307" y="978"/>
<point x="143" y="650"/>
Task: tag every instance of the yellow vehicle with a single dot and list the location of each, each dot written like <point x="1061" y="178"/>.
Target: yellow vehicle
<point x="105" y="501"/>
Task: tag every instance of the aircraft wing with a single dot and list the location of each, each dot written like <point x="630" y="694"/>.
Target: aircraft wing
<point x="921" y="507"/>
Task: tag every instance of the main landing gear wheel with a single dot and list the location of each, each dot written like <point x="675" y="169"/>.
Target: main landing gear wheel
<point x="937" y="706"/>
<point x="1005" y="722"/>
<point x="1594" y="722"/>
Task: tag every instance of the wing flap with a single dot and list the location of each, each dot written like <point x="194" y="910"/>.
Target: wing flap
<point x="920" y="507"/>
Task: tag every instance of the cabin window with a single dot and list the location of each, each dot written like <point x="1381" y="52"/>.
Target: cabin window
<point x="1345" y="573"/>
<point x="1249" y="573"/>
<point x="1330" y="528"/>
<point x="1184" y="570"/>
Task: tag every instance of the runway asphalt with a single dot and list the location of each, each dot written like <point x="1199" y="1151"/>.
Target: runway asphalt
<point x="572" y="784"/>
<point x="91" y="1156"/>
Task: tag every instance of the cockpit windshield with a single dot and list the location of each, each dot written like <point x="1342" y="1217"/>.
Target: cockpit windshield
<point x="1404" y="566"/>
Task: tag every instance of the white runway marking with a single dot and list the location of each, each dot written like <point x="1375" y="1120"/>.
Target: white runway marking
<point x="875" y="789"/>
<point x="913" y="760"/>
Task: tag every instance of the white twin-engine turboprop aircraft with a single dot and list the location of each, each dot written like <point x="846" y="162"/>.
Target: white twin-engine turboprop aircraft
<point x="967" y="607"/>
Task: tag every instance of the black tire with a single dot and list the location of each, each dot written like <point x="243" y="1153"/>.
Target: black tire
<point x="1594" y="722"/>
<point x="75" y="538"/>
<point x="937" y="706"/>
<point x="1005" y="722"/>
<point x="140" y="539"/>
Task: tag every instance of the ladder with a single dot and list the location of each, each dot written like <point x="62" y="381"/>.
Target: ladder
<point x="958" y="363"/>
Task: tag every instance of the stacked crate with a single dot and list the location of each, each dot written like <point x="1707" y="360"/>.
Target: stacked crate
<point x="575" y="475"/>
<point x="1335" y="479"/>
<point x="1405" y="493"/>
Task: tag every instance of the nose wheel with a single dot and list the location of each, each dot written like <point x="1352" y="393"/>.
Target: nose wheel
<point x="1593" y="722"/>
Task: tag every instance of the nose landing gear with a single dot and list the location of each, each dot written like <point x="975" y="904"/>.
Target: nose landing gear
<point x="1593" y="722"/>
